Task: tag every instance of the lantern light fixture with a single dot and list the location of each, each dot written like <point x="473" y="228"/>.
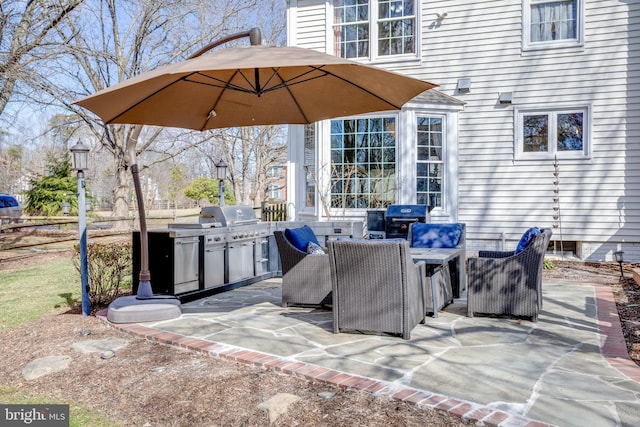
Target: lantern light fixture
<point x="79" y="157"/>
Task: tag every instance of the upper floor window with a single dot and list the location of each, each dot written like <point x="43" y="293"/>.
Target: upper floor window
<point x="274" y="172"/>
<point x="362" y="30"/>
<point x="550" y="24"/>
<point x="274" y="191"/>
<point x="549" y="133"/>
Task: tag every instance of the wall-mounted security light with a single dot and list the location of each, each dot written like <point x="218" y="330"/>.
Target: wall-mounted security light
<point x="505" y="98"/>
<point x="464" y="85"/>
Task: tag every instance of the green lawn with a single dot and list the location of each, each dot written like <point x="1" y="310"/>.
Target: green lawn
<point x="28" y="294"/>
<point x="78" y="415"/>
<point x="41" y="289"/>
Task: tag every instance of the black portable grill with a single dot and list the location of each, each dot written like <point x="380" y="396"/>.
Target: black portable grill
<point x="400" y="217"/>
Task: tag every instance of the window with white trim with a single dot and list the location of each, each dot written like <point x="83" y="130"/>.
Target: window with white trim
<point x="274" y="191"/>
<point x="549" y="24"/>
<point x="389" y="26"/>
<point x="309" y="166"/>
<point x="429" y="161"/>
<point x="363" y="162"/>
<point x="548" y="133"/>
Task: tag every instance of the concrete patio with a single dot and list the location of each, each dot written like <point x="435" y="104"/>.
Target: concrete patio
<point x="570" y="368"/>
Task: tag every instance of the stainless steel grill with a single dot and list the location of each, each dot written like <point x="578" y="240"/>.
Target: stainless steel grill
<point x="229" y="216"/>
<point x="244" y="236"/>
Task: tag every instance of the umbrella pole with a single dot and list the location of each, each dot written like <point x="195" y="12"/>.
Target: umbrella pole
<point x="144" y="285"/>
<point x="144" y="278"/>
<point x="254" y="34"/>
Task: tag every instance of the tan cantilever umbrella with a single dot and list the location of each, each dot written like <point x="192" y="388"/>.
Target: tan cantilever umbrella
<point x="256" y="85"/>
<point x="246" y="86"/>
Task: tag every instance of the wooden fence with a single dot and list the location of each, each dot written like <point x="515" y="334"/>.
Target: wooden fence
<point x="274" y="212"/>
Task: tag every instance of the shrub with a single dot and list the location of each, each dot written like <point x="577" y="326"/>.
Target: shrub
<point x="109" y="268"/>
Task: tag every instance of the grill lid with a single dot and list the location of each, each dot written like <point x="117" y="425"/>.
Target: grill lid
<point x="229" y="215"/>
<point x="407" y="211"/>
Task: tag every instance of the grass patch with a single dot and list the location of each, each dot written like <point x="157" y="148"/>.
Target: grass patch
<point x="79" y="416"/>
<point x="27" y="294"/>
<point x="35" y="291"/>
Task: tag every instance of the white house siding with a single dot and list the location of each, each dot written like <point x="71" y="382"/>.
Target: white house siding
<point x="499" y="197"/>
<point x="482" y="41"/>
<point x="310" y="23"/>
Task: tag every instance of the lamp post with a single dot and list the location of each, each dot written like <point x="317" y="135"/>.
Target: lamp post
<point x="80" y="155"/>
<point x="619" y="258"/>
<point x="221" y="172"/>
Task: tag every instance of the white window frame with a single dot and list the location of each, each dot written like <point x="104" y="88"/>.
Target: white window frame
<point x="528" y="45"/>
<point x="443" y="162"/>
<point x="373" y="36"/>
<point x="584" y="154"/>
<point x="328" y="172"/>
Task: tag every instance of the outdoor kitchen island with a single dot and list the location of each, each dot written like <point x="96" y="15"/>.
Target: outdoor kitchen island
<point x="228" y="248"/>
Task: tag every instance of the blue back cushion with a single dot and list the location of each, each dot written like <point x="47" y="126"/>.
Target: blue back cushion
<point x="526" y="238"/>
<point x="300" y="237"/>
<point x="435" y="235"/>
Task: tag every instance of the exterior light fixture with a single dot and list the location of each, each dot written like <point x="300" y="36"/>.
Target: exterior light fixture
<point x="464" y="85"/>
<point x="619" y="258"/>
<point x="79" y="161"/>
<point x="221" y="173"/>
<point x="505" y="98"/>
<point x="65" y="208"/>
<point x="79" y="157"/>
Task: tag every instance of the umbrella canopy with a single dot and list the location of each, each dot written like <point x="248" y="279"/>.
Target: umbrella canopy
<point x="256" y="85"/>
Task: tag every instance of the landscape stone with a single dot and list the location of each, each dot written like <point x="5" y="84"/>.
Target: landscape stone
<point x="98" y="346"/>
<point x="44" y="366"/>
<point x="278" y="405"/>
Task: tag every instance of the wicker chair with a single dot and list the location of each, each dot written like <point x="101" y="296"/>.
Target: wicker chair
<point x="306" y="279"/>
<point x="376" y="286"/>
<point x="508" y="283"/>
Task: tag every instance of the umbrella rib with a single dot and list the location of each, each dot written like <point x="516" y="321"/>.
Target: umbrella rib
<point x="125" y="111"/>
<point x="286" y="86"/>
<point x="359" y="87"/>
<point x="224" y="84"/>
<point x="227" y="85"/>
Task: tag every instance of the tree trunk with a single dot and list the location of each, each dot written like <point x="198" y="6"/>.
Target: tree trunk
<point x="121" y="192"/>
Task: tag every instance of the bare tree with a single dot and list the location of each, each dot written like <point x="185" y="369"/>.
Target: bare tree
<point x="249" y="152"/>
<point x="110" y="41"/>
<point x="28" y="37"/>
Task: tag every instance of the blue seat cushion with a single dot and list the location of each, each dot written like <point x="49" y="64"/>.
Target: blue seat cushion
<point x="526" y="238"/>
<point x="435" y="235"/>
<point x="300" y="237"/>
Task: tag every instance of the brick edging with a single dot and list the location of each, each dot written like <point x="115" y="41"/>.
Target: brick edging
<point x="468" y="412"/>
<point x="612" y="343"/>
